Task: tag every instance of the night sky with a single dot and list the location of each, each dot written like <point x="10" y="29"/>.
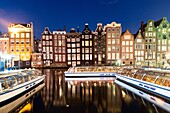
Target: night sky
<point x="72" y="13"/>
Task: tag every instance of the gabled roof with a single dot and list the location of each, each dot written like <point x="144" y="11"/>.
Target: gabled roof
<point x="46" y="31"/>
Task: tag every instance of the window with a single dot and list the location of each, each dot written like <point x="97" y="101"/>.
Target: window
<point x="82" y="43"/>
<point x="123" y="42"/>
<point x="86" y="56"/>
<point x="27" y="49"/>
<point x="12" y="41"/>
<point x="109" y="41"/>
<point x="27" y="35"/>
<point x="78" y="45"/>
<point x="86" y="43"/>
<point x="22" y="35"/>
<point x="27" y="41"/>
<point x="12" y="35"/>
<point x="17" y="35"/>
<point x="131" y="42"/>
<point x="69" y="50"/>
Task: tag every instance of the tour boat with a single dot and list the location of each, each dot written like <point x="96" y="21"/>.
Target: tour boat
<point x="16" y="104"/>
<point x="156" y="82"/>
<point x="90" y="73"/>
<point x="153" y="99"/>
<point x="13" y="84"/>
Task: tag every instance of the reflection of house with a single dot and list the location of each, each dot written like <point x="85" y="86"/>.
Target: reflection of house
<point x="21" y="42"/>
<point x="36" y="60"/>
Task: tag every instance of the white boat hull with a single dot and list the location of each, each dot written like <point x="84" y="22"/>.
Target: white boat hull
<point x="161" y="91"/>
<point x="6" y="96"/>
<point x="157" y="101"/>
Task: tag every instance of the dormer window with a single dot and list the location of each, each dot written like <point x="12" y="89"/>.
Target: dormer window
<point x="28" y="25"/>
<point x="150" y="23"/>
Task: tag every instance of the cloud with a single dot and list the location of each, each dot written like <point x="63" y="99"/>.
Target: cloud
<point x="108" y="2"/>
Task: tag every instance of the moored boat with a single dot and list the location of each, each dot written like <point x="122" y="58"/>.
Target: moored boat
<point x="90" y="73"/>
<point x="156" y="82"/>
<point x="15" y="83"/>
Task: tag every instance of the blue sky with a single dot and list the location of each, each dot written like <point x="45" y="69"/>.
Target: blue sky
<point x="72" y="13"/>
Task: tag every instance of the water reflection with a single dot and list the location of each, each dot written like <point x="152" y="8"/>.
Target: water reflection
<point x="84" y="96"/>
<point x="60" y="96"/>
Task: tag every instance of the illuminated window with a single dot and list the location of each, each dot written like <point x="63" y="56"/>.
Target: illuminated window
<point x="73" y="45"/>
<point x="78" y="56"/>
<point x="17" y="35"/>
<point x="90" y="43"/>
<point x="78" y="45"/>
<point x="27" y="35"/>
<point x="73" y="40"/>
<point x="64" y="58"/>
<point x="69" y="50"/>
<point x="131" y="42"/>
<point x="86" y="56"/>
<point x="109" y="41"/>
<point x="127" y="42"/>
<point x="109" y="35"/>
<point x="90" y="56"/>
<point x="82" y="43"/>
<point x="12" y="35"/>
<point x="109" y="56"/>
<point x="123" y="42"/>
<point x="113" y="41"/>
<point x="22" y="35"/>
<point x="69" y="56"/>
<point x="86" y="43"/>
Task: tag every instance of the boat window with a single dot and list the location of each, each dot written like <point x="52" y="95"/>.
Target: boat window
<point x="167" y="74"/>
<point x="11" y="81"/>
<point x="19" y="78"/>
<point x="166" y="83"/>
<point x="4" y="84"/>
<point x="139" y="74"/>
<point x="160" y="81"/>
<point x="150" y="77"/>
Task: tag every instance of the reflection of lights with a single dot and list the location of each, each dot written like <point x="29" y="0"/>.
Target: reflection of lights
<point x="60" y="91"/>
<point x="67" y="105"/>
<point x="95" y="84"/>
<point x="82" y="84"/>
<point x="108" y="85"/>
<point x="123" y="94"/>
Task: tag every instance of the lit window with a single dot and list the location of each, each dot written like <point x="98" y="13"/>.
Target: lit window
<point x="109" y="41"/>
<point x="17" y="35"/>
<point x="131" y="42"/>
<point x="78" y="45"/>
<point x="73" y="45"/>
<point x="90" y="56"/>
<point x="123" y="42"/>
<point x="90" y="43"/>
<point x="86" y="56"/>
<point x="27" y="35"/>
<point x="86" y="43"/>
<point x="12" y="35"/>
<point x="22" y="35"/>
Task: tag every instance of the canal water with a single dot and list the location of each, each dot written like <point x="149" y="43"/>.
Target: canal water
<point x="60" y="96"/>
